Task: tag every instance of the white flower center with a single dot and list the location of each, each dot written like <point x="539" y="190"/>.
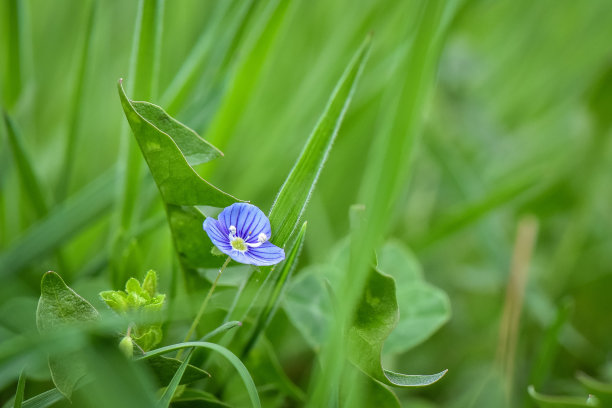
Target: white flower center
<point x="239" y="244"/>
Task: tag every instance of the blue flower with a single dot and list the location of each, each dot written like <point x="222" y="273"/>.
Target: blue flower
<point x="243" y="232"/>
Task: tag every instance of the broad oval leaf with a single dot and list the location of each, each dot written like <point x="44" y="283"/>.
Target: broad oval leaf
<point x="60" y="306"/>
<point x="309" y="307"/>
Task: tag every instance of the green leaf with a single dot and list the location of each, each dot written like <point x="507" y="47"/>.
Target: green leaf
<point x="161" y="139"/>
<point x="547" y="401"/>
<point x="170" y="149"/>
<point x="309" y="308"/>
<point x="360" y="390"/>
<point x="147" y="337"/>
<point x="150" y="283"/>
<point x="423" y="308"/>
<point x="58" y="307"/>
<point x="376" y="316"/>
<point x="44" y="400"/>
<point x="293" y="196"/>
<point x="231" y="357"/>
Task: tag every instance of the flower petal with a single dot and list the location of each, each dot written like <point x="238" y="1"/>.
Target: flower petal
<point x="215" y="232"/>
<point x="266" y="254"/>
<point x="249" y="221"/>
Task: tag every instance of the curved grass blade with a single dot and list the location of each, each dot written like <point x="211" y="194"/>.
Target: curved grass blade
<point x="547" y="401"/>
<point x="221" y="329"/>
<point x="231" y="357"/>
<point x="246" y="75"/>
<point x="293" y="196"/>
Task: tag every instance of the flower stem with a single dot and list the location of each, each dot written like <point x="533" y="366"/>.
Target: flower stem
<point x="196" y="321"/>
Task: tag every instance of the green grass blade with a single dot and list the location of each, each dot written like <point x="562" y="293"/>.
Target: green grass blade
<point x="25" y="165"/>
<point x="245" y="79"/>
<point x="390" y="163"/>
<point x="61" y="224"/>
<point x="206" y="57"/>
<point x="143" y="78"/>
<point x="75" y="110"/>
<point x="164" y="401"/>
<point x="13" y="36"/>
<point x="279" y="285"/>
<point x="231" y="357"/>
<point x="44" y="400"/>
<point x="221" y="329"/>
<point x="293" y="196"/>
<point x="20" y="390"/>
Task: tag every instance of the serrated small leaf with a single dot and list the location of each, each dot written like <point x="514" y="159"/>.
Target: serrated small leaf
<point x="132" y="286"/>
<point x="58" y="307"/>
<point x="148" y="337"/>
<point x="150" y="283"/>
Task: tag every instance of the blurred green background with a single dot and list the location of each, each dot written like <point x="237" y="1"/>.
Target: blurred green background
<point x="518" y="123"/>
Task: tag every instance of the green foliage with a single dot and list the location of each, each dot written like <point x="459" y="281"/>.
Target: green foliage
<point x="171" y="149"/>
<point x="143" y="304"/>
<point x="378" y="314"/>
<point x="293" y="196"/>
<point x="228" y="355"/>
<point x="58" y="307"/>
<point x="468" y="116"/>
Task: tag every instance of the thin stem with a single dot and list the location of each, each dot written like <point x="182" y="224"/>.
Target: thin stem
<point x="196" y="321"/>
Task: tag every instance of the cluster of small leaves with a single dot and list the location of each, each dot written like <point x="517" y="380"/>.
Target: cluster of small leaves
<point x="143" y="304"/>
